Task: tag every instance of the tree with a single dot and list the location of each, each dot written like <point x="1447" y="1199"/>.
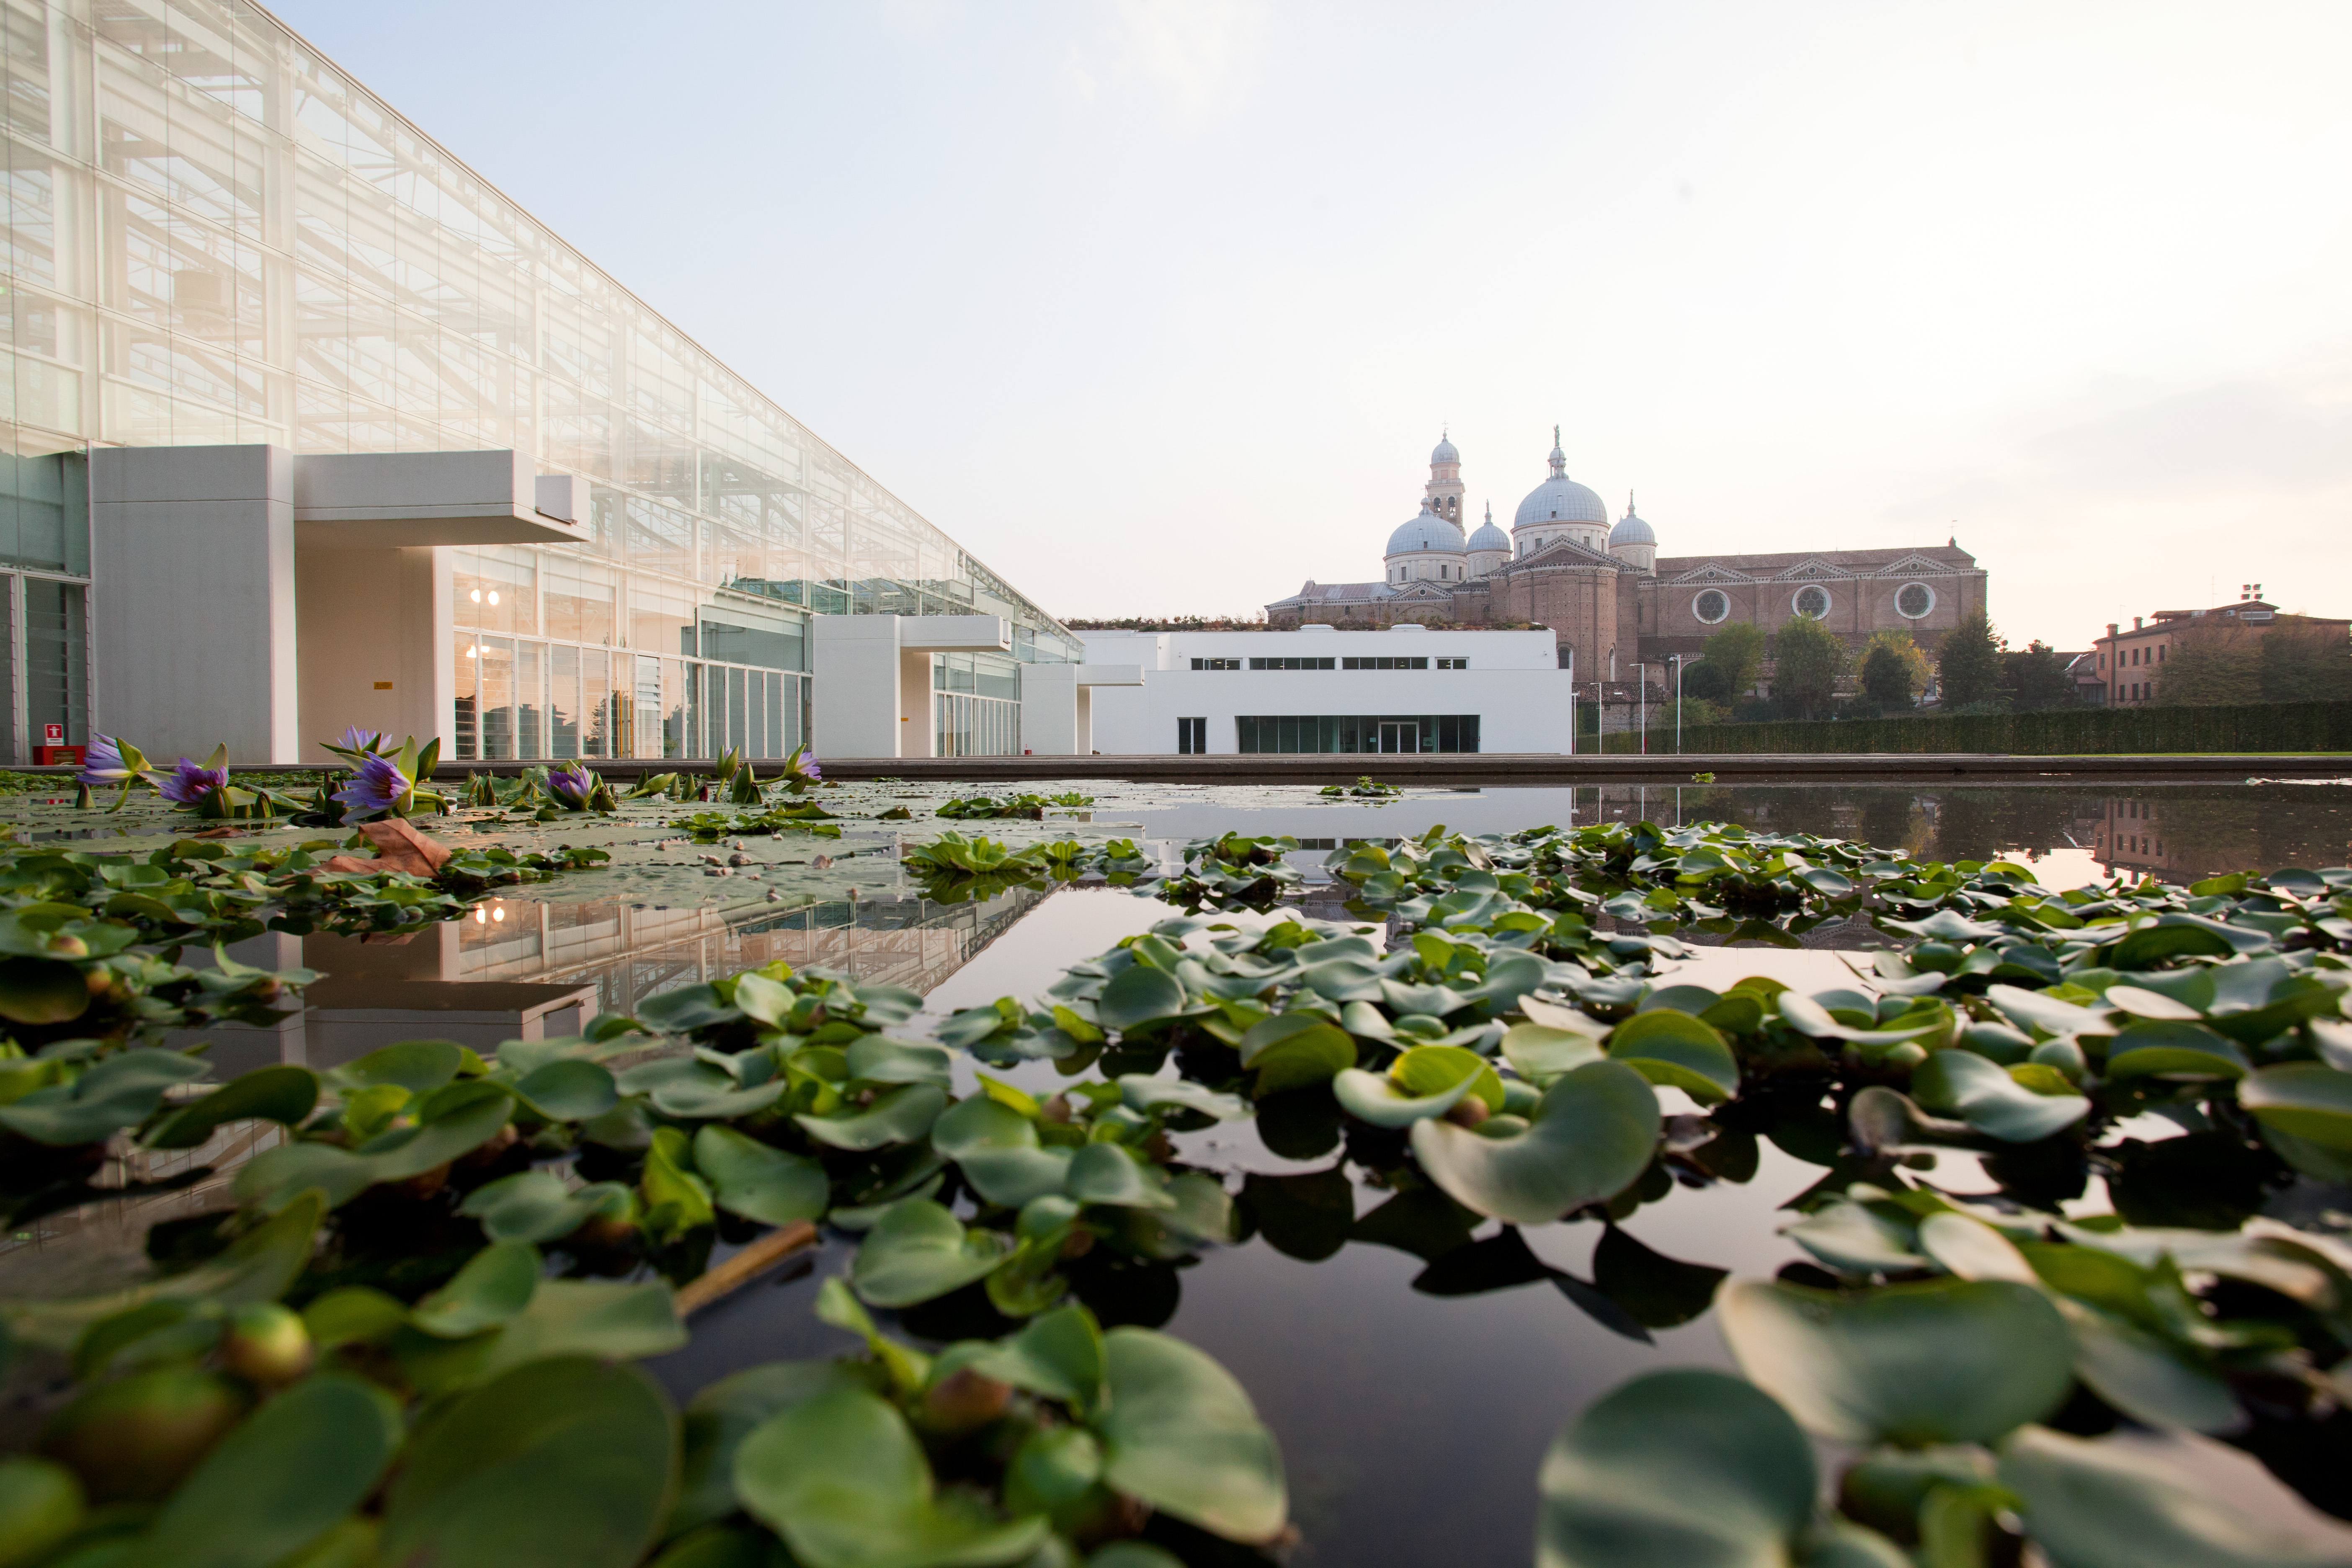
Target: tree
<point x="1808" y="658"/>
<point x="2212" y="667"/>
<point x="1703" y="682"/>
<point x="2036" y="679"/>
<point x="1893" y="671"/>
<point x="2305" y="662"/>
<point x="1737" y="655"/>
<point x="1968" y="666"/>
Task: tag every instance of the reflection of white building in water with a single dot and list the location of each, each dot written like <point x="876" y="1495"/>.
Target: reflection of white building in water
<point x="1405" y="688"/>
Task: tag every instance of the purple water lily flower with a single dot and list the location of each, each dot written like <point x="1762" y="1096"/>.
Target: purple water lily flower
<point x="358" y="740"/>
<point x="376" y="784"/>
<point x="801" y="767"/>
<point x="571" y="784"/>
<point x="191" y="781"/>
<point x="102" y="765"/>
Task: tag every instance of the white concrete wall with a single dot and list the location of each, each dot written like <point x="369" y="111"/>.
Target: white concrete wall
<point x="854" y="699"/>
<point x="1049" y="709"/>
<point x="193" y="600"/>
<point x="377" y="645"/>
<point x="1514" y="684"/>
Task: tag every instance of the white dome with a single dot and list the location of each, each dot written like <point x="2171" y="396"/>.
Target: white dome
<point x="1489" y="537"/>
<point x="1559" y="499"/>
<point x="1428" y="532"/>
<point x="1443" y="452"/>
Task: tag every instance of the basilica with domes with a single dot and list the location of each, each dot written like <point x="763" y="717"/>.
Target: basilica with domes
<point x="1606" y="593"/>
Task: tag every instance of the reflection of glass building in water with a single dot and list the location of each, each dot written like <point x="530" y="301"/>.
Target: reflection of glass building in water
<point x="234" y="274"/>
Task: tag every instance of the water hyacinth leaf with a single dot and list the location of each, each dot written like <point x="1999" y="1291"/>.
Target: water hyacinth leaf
<point x="1854" y="1238"/>
<point x="2048" y="1016"/>
<point x="722" y="1413"/>
<point x="1138" y="1092"/>
<point x="122" y="1090"/>
<point x="2146" y="1378"/>
<point x="1060" y="1354"/>
<point x="1593" y="1133"/>
<point x="1293" y="1050"/>
<point x="562" y="1461"/>
<point x="1137" y="995"/>
<point x="676" y="1199"/>
<point x="1968" y="1248"/>
<point x="1988" y="1097"/>
<point x="875" y="1060"/>
<point x="762" y="998"/>
<point x="1676" y="1469"/>
<point x="417" y="1066"/>
<point x="284" y="1094"/>
<point x="606" y="1319"/>
<point x="536" y="1206"/>
<point x="1106" y="1174"/>
<point x="1675" y="1048"/>
<point x="1374" y="1097"/>
<point x="273" y="1177"/>
<point x="2171" y="1047"/>
<point x="572" y="1090"/>
<point x="42" y="991"/>
<point x="899" y="1115"/>
<point x="757" y="1182"/>
<point x="1540" y="1053"/>
<point x="697" y="1091"/>
<point x="2306" y="1100"/>
<point x="1182" y="1436"/>
<point x="845" y="1484"/>
<point x="2101" y="1505"/>
<point x="494" y="1286"/>
<point x="996" y="1148"/>
<point x="1951" y="1362"/>
<point x="917" y="1250"/>
<point x="2142" y="1002"/>
<point x="280" y="1480"/>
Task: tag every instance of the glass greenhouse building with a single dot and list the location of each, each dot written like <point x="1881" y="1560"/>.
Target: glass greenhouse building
<point x="219" y="243"/>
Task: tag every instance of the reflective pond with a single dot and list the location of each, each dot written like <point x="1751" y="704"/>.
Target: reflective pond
<point x="1413" y="1371"/>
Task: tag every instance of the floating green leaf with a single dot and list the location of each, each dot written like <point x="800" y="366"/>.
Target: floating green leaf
<point x="1180" y="1434"/>
<point x="1591" y="1135"/>
<point x="1951" y="1361"/>
<point x="1991" y="1098"/>
<point x="845" y="1484"/>
<point x="283" y="1093"/>
<point x="757" y="1181"/>
<point x="917" y="1250"/>
<point x="560" y="1461"/>
<point x="1679" y="1051"/>
<point x="2097" y="1505"/>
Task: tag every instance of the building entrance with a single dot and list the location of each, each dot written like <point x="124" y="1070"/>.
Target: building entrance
<point x="1399" y="735"/>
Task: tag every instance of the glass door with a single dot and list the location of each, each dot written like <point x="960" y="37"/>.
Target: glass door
<point x="1399" y="735"/>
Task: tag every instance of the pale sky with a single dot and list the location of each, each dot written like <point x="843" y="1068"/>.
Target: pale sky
<point x="1157" y="308"/>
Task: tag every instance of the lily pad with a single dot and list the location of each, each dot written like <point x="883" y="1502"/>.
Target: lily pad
<point x="1593" y="1133"/>
<point x="535" y="1205"/>
<point x="2173" y="1048"/>
<point x="1137" y="995"/>
<point x="1426" y="1080"/>
<point x="896" y="1116"/>
<point x="1951" y="1361"/>
<point x="758" y="1182"/>
<point x="1293" y="1050"/>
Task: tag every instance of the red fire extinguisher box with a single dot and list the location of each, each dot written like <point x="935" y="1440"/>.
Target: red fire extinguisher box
<point x="53" y="752"/>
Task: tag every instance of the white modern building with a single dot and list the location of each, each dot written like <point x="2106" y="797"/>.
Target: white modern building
<point x="1404" y="689"/>
<point x="309" y="426"/>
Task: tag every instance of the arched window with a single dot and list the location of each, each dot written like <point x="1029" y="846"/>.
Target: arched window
<point x="1914" y="600"/>
<point x="1811" y="600"/>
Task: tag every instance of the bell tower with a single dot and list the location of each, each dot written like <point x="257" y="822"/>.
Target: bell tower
<point x="1444" y="490"/>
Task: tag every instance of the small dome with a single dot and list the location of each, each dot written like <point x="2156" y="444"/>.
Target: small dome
<point x="1559" y="499"/>
<point x="1489" y="537"/>
<point x="1428" y="531"/>
<point x="1443" y="452"/>
<point x="1631" y="528"/>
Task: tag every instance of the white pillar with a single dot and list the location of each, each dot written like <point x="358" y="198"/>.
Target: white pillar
<point x="193" y="600"/>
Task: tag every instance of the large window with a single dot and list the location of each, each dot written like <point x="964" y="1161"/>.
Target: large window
<point x="976" y="726"/>
<point x="1191" y="737"/>
<point x="1358" y="732"/>
<point x="1385" y="661"/>
<point x="1292" y="663"/>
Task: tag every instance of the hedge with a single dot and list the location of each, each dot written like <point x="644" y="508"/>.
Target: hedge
<point x="2073" y="731"/>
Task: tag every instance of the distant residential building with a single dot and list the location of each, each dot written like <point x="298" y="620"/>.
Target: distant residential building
<point x="2128" y="663"/>
<point x="1605" y="593"/>
<point x="1318" y="688"/>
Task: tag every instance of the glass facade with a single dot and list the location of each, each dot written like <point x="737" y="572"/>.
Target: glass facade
<point x="1357" y="733"/>
<point x="215" y="236"/>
